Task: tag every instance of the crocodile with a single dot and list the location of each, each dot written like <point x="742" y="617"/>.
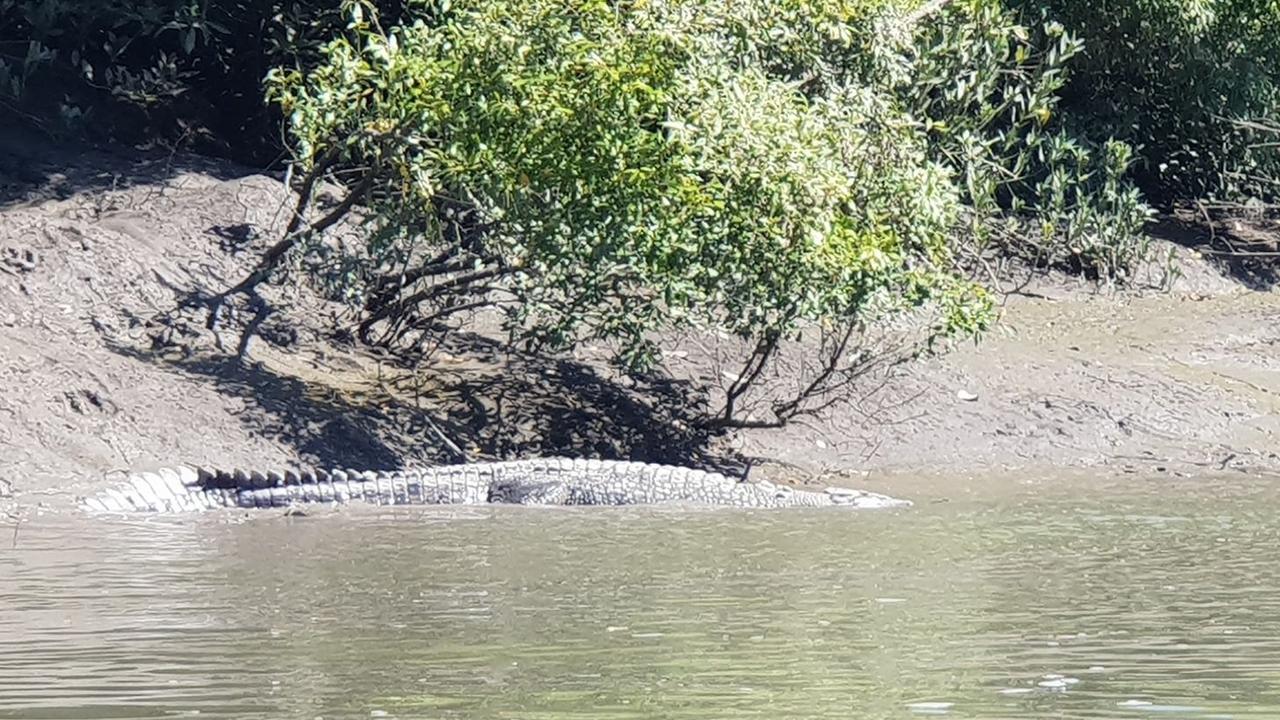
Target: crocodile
<point x="555" y="481"/>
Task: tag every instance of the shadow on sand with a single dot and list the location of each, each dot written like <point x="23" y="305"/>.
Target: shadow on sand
<point x="1239" y="248"/>
<point x="34" y="166"/>
<point x="501" y="406"/>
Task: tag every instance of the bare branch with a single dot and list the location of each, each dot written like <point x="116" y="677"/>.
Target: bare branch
<point x="756" y="362"/>
<point x="457" y="283"/>
<point x="271" y="259"/>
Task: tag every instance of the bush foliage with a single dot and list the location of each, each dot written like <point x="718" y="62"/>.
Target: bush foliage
<point x="1193" y="84"/>
<point x="625" y="171"/>
<point x="987" y="87"/>
<point x="162" y="68"/>
<point x="610" y="170"/>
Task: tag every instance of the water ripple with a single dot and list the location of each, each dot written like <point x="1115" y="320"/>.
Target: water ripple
<point x="1054" y="606"/>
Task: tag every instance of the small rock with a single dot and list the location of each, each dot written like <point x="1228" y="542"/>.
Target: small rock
<point x="966" y="395"/>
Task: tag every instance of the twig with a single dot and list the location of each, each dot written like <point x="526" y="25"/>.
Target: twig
<point x="1250" y="124"/>
<point x="459" y="281"/>
<point x="755" y="364"/>
<point x="294" y="234"/>
<point x="874" y="449"/>
<point x="1213" y="236"/>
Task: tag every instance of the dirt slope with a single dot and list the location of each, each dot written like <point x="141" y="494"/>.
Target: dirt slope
<point x="96" y="245"/>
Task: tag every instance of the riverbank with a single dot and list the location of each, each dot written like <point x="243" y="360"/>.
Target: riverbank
<point x="97" y="376"/>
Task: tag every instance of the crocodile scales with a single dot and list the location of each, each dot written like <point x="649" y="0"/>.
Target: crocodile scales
<point x="188" y="488"/>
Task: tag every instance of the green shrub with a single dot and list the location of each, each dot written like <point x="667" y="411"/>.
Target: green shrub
<point x="973" y="77"/>
<point x="1177" y="79"/>
<point x="986" y="87"/>
<point x="164" y="68"/>
<point x="604" y="172"/>
<point x="601" y="170"/>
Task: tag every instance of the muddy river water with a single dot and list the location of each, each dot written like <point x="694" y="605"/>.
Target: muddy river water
<point x="1018" y="599"/>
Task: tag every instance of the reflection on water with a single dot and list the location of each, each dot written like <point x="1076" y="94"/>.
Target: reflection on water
<point x="1152" y="601"/>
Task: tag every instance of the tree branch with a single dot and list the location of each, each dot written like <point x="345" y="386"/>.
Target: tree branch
<point x="755" y="364"/>
<point x="403" y="305"/>
<point x="788" y="409"/>
<point x="271" y="259"/>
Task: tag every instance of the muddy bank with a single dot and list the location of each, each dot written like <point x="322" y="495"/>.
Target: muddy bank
<point x="1182" y="385"/>
<point x="96" y="245"/>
